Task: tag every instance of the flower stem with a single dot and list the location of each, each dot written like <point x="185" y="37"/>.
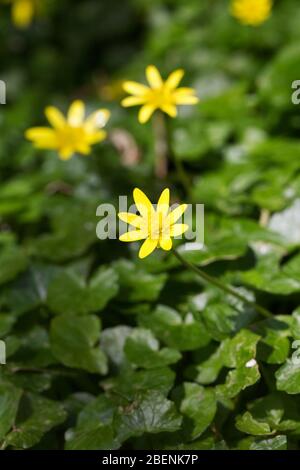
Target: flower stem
<point x="161" y="145"/>
<point x="164" y="153"/>
<point x="228" y="289"/>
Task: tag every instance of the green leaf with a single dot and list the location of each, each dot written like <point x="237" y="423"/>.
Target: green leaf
<point x="9" y="402"/>
<point x="282" y="222"/>
<point x="99" y="410"/>
<point x="274" y="346"/>
<point x="288" y="377"/>
<point x="275" y="81"/>
<point x="223" y="320"/>
<point x="68" y="294"/>
<point x="247" y="424"/>
<point x="136" y="284"/>
<point x="142" y="350"/>
<point x="92" y="437"/>
<point x="237" y="380"/>
<point x="40" y="415"/>
<point x="150" y="412"/>
<point x="129" y="382"/>
<point x="241" y="349"/>
<point x="182" y="333"/>
<point x="7" y="321"/>
<point x="279" y="410"/>
<point x="199" y="406"/>
<point x="113" y="341"/>
<point x="73" y="342"/>
<point x="12" y="262"/>
<point x="275" y="443"/>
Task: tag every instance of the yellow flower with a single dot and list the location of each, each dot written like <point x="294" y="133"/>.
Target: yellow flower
<point x="160" y="95"/>
<point x="71" y="135"/>
<point x="22" y="11"/>
<point x="155" y="226"/>
<point x="251" y="12"/>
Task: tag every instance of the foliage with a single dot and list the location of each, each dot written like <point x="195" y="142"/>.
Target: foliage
<point x="107" y="351"/>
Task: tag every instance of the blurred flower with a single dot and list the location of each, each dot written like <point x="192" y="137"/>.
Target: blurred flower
<point x="22" y="11"/>
<point x="160" y="95"/>
<point x="155" y="226"/>
<point x="71" y="135"/>
<point x="251" y="12"/>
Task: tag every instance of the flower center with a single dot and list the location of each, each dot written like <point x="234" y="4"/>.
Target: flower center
<point x="160" y="96"/>
<point x="157" y="226"/>
<point x="70" y="136"/>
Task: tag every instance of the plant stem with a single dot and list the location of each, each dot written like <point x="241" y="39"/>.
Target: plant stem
<point x="161" y="145"/>
<point x="163" y="152"/>
<point x="228" y="289"/>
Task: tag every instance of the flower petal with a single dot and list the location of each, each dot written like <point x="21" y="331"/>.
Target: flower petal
<point x="165" y="243"/>
<point x="132" y="236"/>
<point x="178" y="229"/>
<point x="143" y="204"/>
<point x="176" y="214"/>
<point x="43" y="137"/>
<point x="174" y="79"/>
<point x="66" y="153"/>
<point x="132" y="219"/>
<point x="185" y="96"/>
<point x="55" y="117"/>
<point x="133" y="101"/>
<point x="95" y="137"/>
<point x="169" y="109"/>
<point x="147" y="247"/>
<point x="145" y="113"/>
<point x="154" y="77"/>
<point x="76" y="113"/>
<point x="135" y="88"/>
<point x="97" y="120"/>
<point x="164" y="202"/>
<point x="22" y="12"/>
<point x="84" y="148"/>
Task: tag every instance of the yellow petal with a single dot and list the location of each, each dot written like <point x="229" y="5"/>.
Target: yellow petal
<point x="165" y="243"/>
<point x="76" y="113"/>
<point x="164" y="202"/>
<point x="145" y="113"/>
<point x="43" y="137"/>
<point x="84" y="148"/>
<point x="143" y="204"/>
<point x="98" y="119"/>
<point x="22" y="12"/>
<point x="185" y="96"/>
<point x="174" y="79"/>
<point x="66" y="153"/>
<point x="154" y="77"/>
<point x="187" y="100"/>
<point x="178" y="229"/>
<point x="95" y="137"/>
<point x="55" y="117"/>
<point x="133" y="101"/>
<point x="176" y="214"/>
<point x="132" y="236"/>
<point x="169" y="109"/>
<point x="135" y="88"/>
<point x="132" y="219"/>
<point x="147" y="247"/>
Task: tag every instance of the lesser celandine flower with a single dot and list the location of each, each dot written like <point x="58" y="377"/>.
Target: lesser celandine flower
<point x="155" y="226"/>
<point x="22" y="11"/>
<point x="72" y="134"/>
<point x="163" y="95"/>
<point x="251" y="12"/>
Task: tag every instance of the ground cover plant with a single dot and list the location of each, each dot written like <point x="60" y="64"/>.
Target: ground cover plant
<point x="113" y="345"/>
